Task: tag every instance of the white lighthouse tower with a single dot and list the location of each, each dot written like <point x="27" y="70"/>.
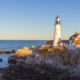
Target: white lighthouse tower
<point x="57" y="32"/>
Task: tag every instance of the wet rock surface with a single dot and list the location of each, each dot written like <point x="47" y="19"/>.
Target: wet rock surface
<point x="14" y="59"/>
<point x="37" y="72"/>
<point x="1" y="59"/>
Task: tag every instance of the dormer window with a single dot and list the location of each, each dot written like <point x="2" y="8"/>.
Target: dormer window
<point x="73" y="37"/>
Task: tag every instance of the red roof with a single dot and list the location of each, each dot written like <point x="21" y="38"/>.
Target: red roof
<point x="74" y="35"/>
<point x="64" y="41"/>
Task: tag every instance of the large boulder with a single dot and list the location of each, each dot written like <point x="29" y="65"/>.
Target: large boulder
<point x="25" y="51"/>
<point x="12" y="60"/>
<point x="29" y="60"/>
<point x="16" y="60"/>
<point x="20" y="62"/>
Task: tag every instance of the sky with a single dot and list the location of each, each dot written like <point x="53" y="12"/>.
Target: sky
<point x="35" y="19"/>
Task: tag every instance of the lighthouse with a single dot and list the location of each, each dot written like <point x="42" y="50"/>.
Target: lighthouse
<point x="57" y="32"/>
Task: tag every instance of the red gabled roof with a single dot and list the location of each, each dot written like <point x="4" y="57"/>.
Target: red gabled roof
<point x="74" y="35"/>
<point x="64" y="41"/>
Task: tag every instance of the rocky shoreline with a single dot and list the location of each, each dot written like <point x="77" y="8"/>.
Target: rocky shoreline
<point x="42" y="63"/>
<point x="37" y="72"/>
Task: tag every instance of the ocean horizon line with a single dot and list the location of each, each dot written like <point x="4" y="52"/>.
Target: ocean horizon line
<point x="22" y="39"/>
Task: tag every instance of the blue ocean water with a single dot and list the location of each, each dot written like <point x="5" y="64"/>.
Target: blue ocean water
<point x="14" y="45"/>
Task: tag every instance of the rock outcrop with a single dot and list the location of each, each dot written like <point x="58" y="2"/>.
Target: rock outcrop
<point x="38" y="72"/>
<point x="21" y="54"/>
<point x="12" y="60"/>
<point x="7" y="51"/>
<point x="57" y="57"/>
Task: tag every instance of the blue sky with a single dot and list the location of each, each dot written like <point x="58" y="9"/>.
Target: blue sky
<point x="34" y="19"/>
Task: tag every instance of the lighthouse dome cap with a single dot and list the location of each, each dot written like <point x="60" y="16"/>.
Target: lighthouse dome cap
<point x="57" y="17"/>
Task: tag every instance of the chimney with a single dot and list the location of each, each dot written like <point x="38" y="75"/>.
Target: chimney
<point x="76" y="32"/>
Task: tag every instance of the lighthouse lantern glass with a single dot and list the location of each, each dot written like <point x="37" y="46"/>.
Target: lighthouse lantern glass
<point x="58" y="19"/>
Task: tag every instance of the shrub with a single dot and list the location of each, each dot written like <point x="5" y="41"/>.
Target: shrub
<point x="44" y="47"/>
<point x="56" y="49"/>
<point x="25" y="51"/>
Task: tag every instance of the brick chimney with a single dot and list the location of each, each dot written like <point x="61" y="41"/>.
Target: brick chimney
<point x="76" y="32"/>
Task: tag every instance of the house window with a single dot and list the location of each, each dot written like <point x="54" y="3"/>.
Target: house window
<point x="74" y="46"/>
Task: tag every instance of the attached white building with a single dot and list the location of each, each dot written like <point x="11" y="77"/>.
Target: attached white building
<point x="72" y="43"/>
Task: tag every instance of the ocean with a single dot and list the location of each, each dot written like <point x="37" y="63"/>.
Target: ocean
<point x="14" y="45"/>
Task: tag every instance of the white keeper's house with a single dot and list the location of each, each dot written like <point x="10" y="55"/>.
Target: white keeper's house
<point x="72" y="43"/>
